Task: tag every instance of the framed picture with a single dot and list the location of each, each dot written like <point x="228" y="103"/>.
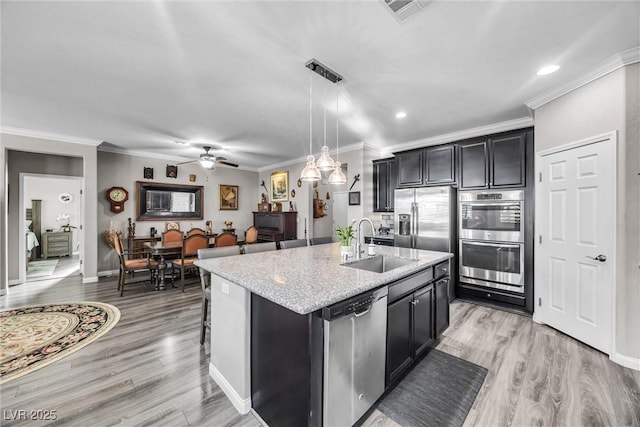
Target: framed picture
<point x="280" y="186"/>
<point x="172" y="171"/>
<point x="148" y="173"/>
<point x="354" y="197"/>
<point x="228" y="197"/>
<point x="172" y="226"/>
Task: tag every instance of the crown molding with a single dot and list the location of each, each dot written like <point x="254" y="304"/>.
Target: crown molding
<point x="153" y="155"/>
<point x="458" y="135"/>
<point x="617" y="61"/>
<point x="49" y="135"/>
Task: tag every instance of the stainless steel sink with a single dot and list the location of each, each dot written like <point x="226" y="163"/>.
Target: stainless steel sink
<point x="379" y="264"/>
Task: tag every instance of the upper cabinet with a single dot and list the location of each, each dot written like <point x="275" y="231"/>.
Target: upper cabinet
<point x="427" y="166"/>
<point x="410" y="166"/>
<point x="384" y="183"/>
<point x="496" y="162"/>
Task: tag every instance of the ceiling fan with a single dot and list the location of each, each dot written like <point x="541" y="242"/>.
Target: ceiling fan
<point x="208" y="160"/>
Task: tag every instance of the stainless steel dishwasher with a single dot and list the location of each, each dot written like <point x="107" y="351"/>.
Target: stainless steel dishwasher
<point x="354" y="356"/>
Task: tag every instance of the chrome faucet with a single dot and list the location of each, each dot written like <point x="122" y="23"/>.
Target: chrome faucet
<point x="373" y="230"/>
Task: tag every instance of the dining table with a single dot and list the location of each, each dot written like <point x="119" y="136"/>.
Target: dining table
<point x="160" y="250"/>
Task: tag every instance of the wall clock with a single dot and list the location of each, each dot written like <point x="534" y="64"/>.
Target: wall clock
<point x="65" y="198"/>
<point x="117" y="196"/>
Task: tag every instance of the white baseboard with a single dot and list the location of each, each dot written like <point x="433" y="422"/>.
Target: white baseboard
<point x="242" y="405"/>
<point x="14" y="282"/>
<point x="92" y="279"/>
<point x="626" y="361"/>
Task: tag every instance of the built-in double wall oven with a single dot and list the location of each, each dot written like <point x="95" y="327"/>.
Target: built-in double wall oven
<point x="492" y="239"/>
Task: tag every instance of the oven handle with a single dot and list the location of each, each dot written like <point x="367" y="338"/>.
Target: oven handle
<point x="511" y="203"/>
<point x="495" y="245"/>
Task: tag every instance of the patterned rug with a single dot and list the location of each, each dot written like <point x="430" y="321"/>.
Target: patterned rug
<point x="35" y="336"/>
<point x="41" y="268"/>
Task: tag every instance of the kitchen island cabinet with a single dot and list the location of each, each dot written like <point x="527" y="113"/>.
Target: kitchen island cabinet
<point x="267" y="349"/>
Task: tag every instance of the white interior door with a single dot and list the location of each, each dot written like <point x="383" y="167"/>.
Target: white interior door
<point x="340" y="209"/>
<point x="575" y="220"/>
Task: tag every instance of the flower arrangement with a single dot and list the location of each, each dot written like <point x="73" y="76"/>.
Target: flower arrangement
<point x="64" y="217"/>
<point x="345" y="234"/>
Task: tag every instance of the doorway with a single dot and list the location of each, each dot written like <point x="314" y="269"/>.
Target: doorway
<point x="51" y="208"/>
<point x="576" y="226"/>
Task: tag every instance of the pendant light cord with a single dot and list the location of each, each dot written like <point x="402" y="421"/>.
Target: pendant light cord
<point x="310" y="113"/>
<point x="324" y="100"/>
<point x="337" y="125"/>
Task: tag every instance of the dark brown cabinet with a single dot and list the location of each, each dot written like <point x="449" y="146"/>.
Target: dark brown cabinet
<point x="497" y="162"/>
<point x="384" y="184"/>
<point x="440" y="165"/>
<point x="441" y="304"/>
<point x="410" y="165"/>
<point x="275" y="226"/>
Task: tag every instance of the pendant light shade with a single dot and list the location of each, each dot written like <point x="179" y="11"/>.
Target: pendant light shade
<point x="310" y="171"/>
<point x="325" y="162"/>
<point x="337" y="176"/>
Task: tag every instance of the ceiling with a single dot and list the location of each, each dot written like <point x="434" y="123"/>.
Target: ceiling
<point x="141" y="75"/>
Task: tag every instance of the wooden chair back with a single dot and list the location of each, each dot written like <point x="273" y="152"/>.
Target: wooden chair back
<point x="171" y="236"/>
<point x="117" y="244"/>
<point x="191" y="244"/>
<point x="225" y="239"/>
<point x="251" y="235"/>
<point x="196" y="230"/>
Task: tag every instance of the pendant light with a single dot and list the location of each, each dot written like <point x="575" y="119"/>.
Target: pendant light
<point x="310" y="171"/>
<point x="325" y="162"/>
<point x="337" y="176"/>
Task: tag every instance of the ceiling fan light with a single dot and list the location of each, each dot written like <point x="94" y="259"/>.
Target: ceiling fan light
<point x="207" y="162"/>
<point x="337" y="176"/>
<point x="325" y="162"/>
<point x="310" y="171"/>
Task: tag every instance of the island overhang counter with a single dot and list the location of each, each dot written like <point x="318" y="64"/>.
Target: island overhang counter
<point x="289" y="288"/>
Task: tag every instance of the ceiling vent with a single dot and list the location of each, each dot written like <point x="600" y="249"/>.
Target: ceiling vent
<point x="405" y="9"/>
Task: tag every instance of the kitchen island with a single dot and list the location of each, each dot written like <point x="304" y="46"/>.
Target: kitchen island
<point x="267" y="321"/>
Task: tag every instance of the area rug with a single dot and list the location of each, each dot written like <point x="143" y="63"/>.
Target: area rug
<point x="439" y="391"/>
<point x="36" y="336"/>
<point x="41" y="268"/>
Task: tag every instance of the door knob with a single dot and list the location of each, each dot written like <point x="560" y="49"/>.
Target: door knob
<point x="600" y="258"/>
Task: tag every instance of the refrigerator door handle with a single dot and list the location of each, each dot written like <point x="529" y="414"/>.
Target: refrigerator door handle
<point x="414" y="224"/>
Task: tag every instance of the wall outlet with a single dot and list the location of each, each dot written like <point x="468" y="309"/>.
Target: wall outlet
<point x="224" y="288"/>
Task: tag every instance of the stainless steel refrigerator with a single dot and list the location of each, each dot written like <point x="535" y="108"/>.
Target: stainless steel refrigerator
<point x="425" y="218"/>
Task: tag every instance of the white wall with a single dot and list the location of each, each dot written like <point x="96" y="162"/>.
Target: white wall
<point x="607" y="104"/>
<point x="124" y="170"/>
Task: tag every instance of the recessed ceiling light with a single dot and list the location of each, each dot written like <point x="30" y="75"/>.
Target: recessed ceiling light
<point x="548" y="69"/>
<point x="401" y="115"/>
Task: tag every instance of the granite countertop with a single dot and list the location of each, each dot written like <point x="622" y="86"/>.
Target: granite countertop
<point x="310" y="278"/>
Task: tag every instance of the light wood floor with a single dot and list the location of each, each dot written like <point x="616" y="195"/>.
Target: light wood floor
<point x="151" y="370"/>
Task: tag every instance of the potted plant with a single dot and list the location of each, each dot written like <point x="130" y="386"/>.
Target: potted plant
<point x="345" y="235"/>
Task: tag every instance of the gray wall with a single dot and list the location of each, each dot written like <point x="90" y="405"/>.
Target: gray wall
<point x="607" y="104"/>
<point x="124" y="170"/>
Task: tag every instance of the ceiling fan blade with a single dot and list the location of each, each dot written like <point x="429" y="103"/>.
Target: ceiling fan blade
<point x="190" y="161"/>
<point x="221" y="158"/>
<point x="222" y="162"/>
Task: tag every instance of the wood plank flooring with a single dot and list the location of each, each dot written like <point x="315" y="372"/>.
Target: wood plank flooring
<point x="151" y="370"/>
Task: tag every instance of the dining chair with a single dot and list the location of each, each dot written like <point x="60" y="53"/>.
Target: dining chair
<point x="130" y="266"/>
<point x="225" y="239"/>
<point x="251" y="235"/>
<point x="288" y="244"/>
<point x="171" y="236"/>
<point x="320" y="240"/>
<point x="260" y="247"/>
<point x="196" y="230"/>
<point x="190" y="247"/>
<point x="205" y="282"/>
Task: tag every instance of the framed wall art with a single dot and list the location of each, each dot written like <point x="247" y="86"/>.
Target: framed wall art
<point x="280" y="186"/>
<point x="228" y="197"/>
<point x="172" y="171"/>
<point x="148" y="173"/>
<point x="354" y="197"/>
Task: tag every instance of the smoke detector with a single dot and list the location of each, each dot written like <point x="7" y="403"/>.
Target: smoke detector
<point x="405" y="9"/>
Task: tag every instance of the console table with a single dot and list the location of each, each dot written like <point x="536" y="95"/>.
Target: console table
<point x="275" y="226"/>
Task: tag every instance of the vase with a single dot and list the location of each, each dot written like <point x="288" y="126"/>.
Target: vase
<point x="346" y="251"/>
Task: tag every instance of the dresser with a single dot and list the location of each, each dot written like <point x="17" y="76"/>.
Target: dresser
<point x="56" y="243"/>
<point x="275" y="226"/>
